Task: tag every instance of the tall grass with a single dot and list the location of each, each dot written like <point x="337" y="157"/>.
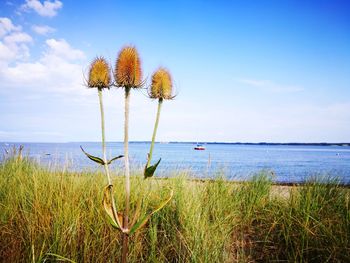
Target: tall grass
<point x="46" y="214"/>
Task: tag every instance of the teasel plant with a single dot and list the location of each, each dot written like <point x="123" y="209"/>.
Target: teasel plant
<point x="100" y="78"/>
<point x="161" y="89"/>
<point x="128" y="75"/>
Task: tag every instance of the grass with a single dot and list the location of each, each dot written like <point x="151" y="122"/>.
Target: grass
<point x="51" y="215"/>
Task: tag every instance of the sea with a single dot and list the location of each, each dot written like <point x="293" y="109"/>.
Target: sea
<point x="284" y="163"/>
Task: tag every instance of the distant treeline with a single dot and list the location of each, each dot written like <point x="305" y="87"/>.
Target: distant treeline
<point x="228" y="143"/>
<point x="289" y="143"/>
<point x="261" y="143"/>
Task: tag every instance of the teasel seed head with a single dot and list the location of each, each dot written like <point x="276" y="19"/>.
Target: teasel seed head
<point x="128" y="72"/>
<point x="162" y="86"/>
<point x="99" y="74"/>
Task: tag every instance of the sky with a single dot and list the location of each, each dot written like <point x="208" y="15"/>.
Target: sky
<point x="244" y="71"/>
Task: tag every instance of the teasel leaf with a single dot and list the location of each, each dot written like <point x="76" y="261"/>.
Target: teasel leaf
<point x="108" y="206"/>
<point x="139" y="224"/>
<point x="93" y="158"/>
<point x="149" y="171"/>
<point x="115" y="158"/>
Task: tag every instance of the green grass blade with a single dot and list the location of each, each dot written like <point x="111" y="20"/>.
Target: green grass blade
<point x="60" y="258"/>
<point x="137" y="211"/>
<point x="144" y="220"/>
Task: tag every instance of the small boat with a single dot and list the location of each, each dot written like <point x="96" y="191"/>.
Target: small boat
<point x="199" y="147"/>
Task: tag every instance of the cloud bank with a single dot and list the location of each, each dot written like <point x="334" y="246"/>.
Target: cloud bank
<point x="47" y="8"/>
<point x="58" y="68"/>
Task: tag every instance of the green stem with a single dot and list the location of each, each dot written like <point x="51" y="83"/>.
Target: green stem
<point x="127" y="174"/>
<point x="160" y="102"/>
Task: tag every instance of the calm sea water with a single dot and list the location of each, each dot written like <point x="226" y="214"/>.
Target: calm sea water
<point x="239" y="162"/>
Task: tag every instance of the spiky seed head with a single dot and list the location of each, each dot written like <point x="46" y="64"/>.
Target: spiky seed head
<point x="128" y="72"/>
<point x="162" y="86"/>
<point x="99" y="74"/>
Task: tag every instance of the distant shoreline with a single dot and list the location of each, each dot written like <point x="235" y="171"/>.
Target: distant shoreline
<point x="208" y="143"/>
<point x="272" y="143"/>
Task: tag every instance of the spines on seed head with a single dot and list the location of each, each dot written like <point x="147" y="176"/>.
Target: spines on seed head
<point x="99" y="74"/>
<point x="162" y="86"/>
<point x="128" y="73"/>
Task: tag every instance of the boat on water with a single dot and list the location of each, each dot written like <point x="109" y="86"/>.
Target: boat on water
<point x="199" y="147"/>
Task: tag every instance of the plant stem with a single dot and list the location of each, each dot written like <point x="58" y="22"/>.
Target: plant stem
<point x="127" y="175"/>
<point x="160" y="102"/>
<point x="103" y="137"/>
<point x="104" y="156"/>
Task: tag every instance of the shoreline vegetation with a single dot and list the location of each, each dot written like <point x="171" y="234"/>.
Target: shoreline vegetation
<point x="57" y="215"/>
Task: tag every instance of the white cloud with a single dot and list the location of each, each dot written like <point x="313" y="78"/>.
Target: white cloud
<point x="18" y="37"/>
<point x="6" y="26"/>
<point x="271" y="86"/>
<point x="42" y="86"/>
<point x="58" y="67"/>
<point x="13" y="42"/>
<point x="47" y="8"/>
<point x="42" y="30"/>
<point x="61" y="48"/>
<point x="6" y="53"/>
<point x="58" y="70"/>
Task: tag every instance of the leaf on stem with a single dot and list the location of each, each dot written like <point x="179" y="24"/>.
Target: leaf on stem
<point x="144" y="220"/>
<point x="108" y="206"/>
<point x="115" y="158"/>
<point x="149" y="171"/>
<point x="93" y="158"/>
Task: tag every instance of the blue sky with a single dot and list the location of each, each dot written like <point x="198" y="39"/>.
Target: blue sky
<point x="248" y="71"/>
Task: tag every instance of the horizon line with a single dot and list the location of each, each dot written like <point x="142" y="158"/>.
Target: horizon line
<point x="192" y="142"/>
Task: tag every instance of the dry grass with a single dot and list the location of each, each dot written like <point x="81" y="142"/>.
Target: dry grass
<point x="45" y="213"/>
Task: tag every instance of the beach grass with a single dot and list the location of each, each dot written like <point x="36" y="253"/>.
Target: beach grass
<point x="50" y="215"/>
